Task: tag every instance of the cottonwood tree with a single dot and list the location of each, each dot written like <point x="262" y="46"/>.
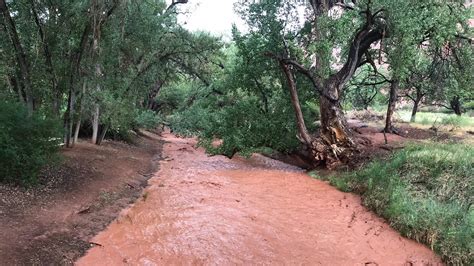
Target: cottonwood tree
<point x="357" y="29"/>
<point x="93" y="62"/>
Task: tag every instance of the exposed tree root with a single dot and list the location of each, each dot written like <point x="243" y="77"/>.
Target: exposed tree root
<point x="333" y="155"/>
<point x="391" y="130"/>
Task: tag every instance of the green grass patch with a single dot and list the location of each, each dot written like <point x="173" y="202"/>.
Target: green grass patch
<point x="426" y="192"/>
<point x="432" y="118"/>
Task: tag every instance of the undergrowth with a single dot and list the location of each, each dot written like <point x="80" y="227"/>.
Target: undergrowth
<point x="438" y="118"/>
<point x="425" y="192"/>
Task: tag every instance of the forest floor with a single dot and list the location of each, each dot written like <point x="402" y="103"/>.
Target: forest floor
<point x="53" y="223"/>
<point x="214" y="210"/>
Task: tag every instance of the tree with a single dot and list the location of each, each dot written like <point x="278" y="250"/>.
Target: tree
<point x="21" y="58"/>
<point x="93" y="63"/>
<point x="391" y="30"/>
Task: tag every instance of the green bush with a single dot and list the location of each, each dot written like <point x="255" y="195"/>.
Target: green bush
<point x="191" y="121"/>
<point x="242" y="126"/>
<point x="27" y="143"/>
<point x="425" y="192"/>
<point x="147" y="119"/>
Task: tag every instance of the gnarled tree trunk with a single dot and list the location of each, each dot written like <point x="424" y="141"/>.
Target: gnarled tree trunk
<point x="334" y="129"/>
<point x="336" y="140"/>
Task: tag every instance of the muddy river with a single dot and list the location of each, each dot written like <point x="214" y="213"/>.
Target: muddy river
<point x="212" y="210"/>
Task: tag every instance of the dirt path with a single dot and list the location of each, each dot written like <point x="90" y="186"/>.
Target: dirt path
<point x="52" y="223"/>
<point x="212" y="210"/>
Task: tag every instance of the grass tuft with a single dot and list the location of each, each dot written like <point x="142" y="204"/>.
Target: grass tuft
<point x="433" y="118"/>
<point x="426" y="192"/>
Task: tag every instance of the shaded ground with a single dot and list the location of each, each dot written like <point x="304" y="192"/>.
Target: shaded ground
<point x="212" y="210"/>
<point x="53" y="223"/>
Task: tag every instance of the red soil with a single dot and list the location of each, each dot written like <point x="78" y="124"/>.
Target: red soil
<point x="52" y="223"/>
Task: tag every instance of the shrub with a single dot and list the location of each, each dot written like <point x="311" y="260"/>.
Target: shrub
<point x="147" y="119"/>
<point x="191" y="121"/>
<point x="27" y="143"/>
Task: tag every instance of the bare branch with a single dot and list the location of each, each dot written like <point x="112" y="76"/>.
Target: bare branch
<point x="175" y="3"/>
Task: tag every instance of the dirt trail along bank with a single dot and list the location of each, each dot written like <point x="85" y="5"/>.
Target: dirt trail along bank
<point x="212" y="210"/>
<point x="53" y="222"/>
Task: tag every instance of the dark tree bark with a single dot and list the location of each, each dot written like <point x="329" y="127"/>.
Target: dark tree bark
<point x="416" y="104"/>
<point x="455" y="104"/>
<point x="20" y="56"/>
<point x="414" y="111"/>
<point x="175" y="3"/>
<point x="392" y="103"/>
<point x="13" y="83"/>
<point x="150" y="101"/>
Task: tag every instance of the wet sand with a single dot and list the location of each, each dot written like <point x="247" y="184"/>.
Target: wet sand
<point x="212" y="210"/>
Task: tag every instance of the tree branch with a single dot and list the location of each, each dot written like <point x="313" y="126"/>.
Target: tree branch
<point x="317" y="83"/>
<point x="175" y="3"/>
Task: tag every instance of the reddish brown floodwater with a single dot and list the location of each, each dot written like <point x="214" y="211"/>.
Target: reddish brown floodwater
<point x="212" y="210"/>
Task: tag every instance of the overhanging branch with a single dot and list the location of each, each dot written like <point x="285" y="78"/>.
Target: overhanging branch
<point x="175" y="3"/>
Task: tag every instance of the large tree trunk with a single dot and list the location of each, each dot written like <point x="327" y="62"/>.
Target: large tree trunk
<point x="13" y="83"/>
<point x="334" y="128"/>
<point x="392" y="103"/>
<point x="20" y="56"/>
<point x="456" y="105"/>
<point x="95" y="124"/>
<point x="75" y="63"/>
<point x="79" y="114"/>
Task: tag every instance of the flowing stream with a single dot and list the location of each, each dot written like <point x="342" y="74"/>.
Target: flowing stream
<point x="216" y="211"/>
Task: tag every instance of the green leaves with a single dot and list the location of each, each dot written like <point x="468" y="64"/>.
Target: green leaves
<point x="26" y="143"/>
